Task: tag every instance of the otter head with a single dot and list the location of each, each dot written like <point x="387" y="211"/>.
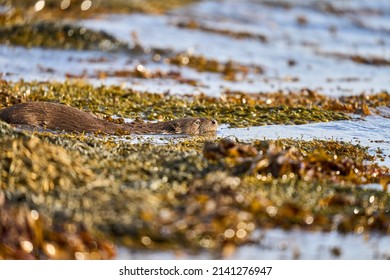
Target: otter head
<point x="194" y="126"/>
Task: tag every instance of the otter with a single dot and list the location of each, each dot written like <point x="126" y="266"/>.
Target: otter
<point x="56" y="116"/>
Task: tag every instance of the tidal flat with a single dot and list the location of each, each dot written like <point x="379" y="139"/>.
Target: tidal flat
<point x="298" y="169"/>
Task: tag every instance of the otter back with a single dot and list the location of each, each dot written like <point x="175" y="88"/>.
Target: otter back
<point x="55" y="116"/>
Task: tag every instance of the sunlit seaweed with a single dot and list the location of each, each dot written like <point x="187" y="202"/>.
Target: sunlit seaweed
<point x="361" y="104"/>
<point x="170" y="196"/>
<point x="338" y="163"/>
<point x="54" y="9"/>
<point x="237" y="112"/>
<point x="230" y="70"/>
<point x="173" y="197"/>
<point x="192" y="24"/>
<point x="142" y="72"/>
<point x="58" y="35"/>
<point x="27" y="234"/>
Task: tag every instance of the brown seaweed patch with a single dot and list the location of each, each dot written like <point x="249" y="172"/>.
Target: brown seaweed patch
<point x="281" y="160"/>
<point x="230" y="70"/>
<point x="238" y="112"/>
<point x="192" y="24"/>
<point x="172" y="197"/>
<point x="360" y="59"/>
<point x="27" y="234"/>
<point x="358" y="104"/>
<point x="373" y="60"/>
<point x="58" y="36"/>
<point x="278" y="4"/>
<point x="53" y="9"/>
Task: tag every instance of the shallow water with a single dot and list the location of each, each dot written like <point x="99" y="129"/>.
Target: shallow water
<point x="277" y="244"/>
<point x="372" y="132"/>
<point x="305" y="34"/>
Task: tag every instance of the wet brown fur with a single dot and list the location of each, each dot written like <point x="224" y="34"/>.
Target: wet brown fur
<point x="61" y="117"/>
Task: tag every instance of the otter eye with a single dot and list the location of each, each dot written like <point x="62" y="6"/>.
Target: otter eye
<point x="197" y="122"/>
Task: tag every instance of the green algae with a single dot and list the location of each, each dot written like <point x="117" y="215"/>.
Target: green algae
<point x="122" y="102"/>
<point x="58" y="36"/>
